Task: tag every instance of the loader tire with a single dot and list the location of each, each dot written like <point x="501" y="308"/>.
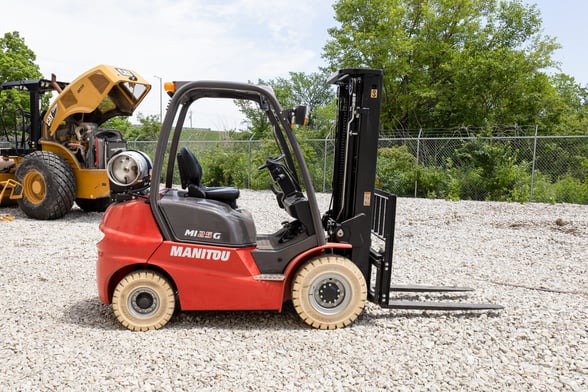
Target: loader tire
<point x="94" y="205"/>
<point x="329" y="292"/>
<point x="48" y="185"/>
<point x="143" y="300"/>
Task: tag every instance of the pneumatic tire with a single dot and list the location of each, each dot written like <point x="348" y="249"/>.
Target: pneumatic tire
<point x="48" y="185"/>
<point x="329" y="292"/>
<point x="143" y="300"/>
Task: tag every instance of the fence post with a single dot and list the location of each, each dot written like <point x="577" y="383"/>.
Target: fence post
<point x="416" y="179"/>
<point x="249" y="162"/>
<point x="533" y="165"/>
<point x="325" y="166"/>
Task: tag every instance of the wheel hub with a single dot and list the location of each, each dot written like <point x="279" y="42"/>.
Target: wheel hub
<point x="34" y="187"/>
<point x="143" y="301"/>
<point x="329" y="293"/>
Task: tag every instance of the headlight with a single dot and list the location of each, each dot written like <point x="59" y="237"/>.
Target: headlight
<point x="129" y="169"/>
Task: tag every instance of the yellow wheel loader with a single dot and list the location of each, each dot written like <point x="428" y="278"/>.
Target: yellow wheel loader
<point x="57" y="157"/>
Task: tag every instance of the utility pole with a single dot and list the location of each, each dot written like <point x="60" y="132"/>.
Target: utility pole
<point x="160" y="99"/>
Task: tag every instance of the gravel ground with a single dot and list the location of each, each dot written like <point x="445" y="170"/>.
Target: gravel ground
<point x="55" y="335"/>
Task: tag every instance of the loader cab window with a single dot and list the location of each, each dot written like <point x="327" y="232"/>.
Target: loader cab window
<point x="106" y="105"/>
<point x="123" y="97"/>
<point x="134" y="90"/>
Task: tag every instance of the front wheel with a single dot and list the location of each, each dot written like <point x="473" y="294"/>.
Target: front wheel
<point x="329" y="292"/>
<point x="143" y="300"/>
<point x="48" y="185"/>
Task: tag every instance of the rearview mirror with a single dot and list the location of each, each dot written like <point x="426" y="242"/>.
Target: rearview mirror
<point x="301" y="115"/>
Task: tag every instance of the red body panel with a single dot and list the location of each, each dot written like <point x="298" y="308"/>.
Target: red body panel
<point x="206" y="277"/>
<point x="130" y="237"/>
<point x="217" y="278"/>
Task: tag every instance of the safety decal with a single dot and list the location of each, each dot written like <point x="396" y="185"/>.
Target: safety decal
<point x="51" y="116"/>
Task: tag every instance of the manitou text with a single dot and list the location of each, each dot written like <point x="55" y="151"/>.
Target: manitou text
<point x="200" y="253"/>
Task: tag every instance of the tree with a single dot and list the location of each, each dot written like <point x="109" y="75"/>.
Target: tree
<point x="16" y="59"/>
<point x="17" y="62"/>
<point x="567" y="110"/>
<point x="448" y="63"/>
<point x="311" y="89"/>
<point x="301" y="88"/>
<point x="149" y="129"/>
<point x="256" y="121"/>
<point x="123" y="124"/>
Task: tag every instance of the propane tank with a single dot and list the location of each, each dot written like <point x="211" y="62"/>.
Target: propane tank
<point x="129" y="169"/>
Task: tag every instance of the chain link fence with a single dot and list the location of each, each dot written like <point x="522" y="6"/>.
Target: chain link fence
<point x="466" y="166"/>
<point x="513" y="168"/>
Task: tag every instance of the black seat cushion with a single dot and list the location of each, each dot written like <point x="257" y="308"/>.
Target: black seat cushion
<point x="222" y="193"/>
<point x="191" y="177"/>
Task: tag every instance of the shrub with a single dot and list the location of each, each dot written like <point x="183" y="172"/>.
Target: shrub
<point x="396" y="171"/>
<point x="569" y="189"/>
<point x="482" y="170"/>
<point x="432" y="182"/>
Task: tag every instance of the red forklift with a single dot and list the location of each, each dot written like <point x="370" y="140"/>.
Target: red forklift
<point x="190" y="247"/>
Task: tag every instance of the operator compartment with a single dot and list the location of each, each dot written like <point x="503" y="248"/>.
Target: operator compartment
<point x="206" y="221"/>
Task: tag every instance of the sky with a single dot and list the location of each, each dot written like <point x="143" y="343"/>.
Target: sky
<point x="236" y="40"/>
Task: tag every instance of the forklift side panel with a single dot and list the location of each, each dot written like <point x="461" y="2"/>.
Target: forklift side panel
<point x="216" y="278"/>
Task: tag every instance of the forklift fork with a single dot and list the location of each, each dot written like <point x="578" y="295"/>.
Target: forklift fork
<point x="381" y="289"/>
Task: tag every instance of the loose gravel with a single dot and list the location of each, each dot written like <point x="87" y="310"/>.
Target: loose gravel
<point x="55" y="335"/>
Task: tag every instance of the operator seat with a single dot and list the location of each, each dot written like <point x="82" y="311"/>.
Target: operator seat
<point x="191" y="176"/>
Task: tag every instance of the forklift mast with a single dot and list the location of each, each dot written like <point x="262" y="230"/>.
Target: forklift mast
<point x="354" y="171"/>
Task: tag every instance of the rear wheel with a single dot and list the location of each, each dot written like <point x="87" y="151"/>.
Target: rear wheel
<point x="143" y="300"/>
<point x="329" y="292"/>
<point x="48" y="185"/>
<point x="94" y="205"/>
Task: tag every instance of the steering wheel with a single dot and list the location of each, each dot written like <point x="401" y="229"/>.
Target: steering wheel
<point x="272" y="162"/>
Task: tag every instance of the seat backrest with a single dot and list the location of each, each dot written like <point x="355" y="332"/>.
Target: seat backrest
<point x="189" y="167"/>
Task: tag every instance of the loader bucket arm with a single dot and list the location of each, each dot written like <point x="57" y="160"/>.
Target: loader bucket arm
<point x="96" y="96"/>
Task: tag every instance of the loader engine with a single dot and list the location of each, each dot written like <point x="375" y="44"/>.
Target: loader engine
<point x="92" y="146"/>
<point x="129" y="173"/>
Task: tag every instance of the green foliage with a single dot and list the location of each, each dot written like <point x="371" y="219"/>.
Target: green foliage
<point x="123" y="124"/>
<point x="224" y="167"/>
<point x="17" y="62"/>
<point x="490" y="170"/>
<point x="566" y="189"/>
<point x="432" y="182"/>
<point x="451" y="62"/>
<point x="543" y="189"/>
<point x="301" y="88"/>
<point x="569" y="189"/>
<point x="149" y="129"/>
<point x="235" y="164"/>
<point x="322" y="121"/>
<point x="482" y="169"/>
<point x="311" y="89"/>
<point x="396" y="170"/>
<point x="478" y="170"/>
<point x="17" y="59"/>
<point x="256" y="121"/>
<point x="562" y="157"/>
<point x="566" y="111"/>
